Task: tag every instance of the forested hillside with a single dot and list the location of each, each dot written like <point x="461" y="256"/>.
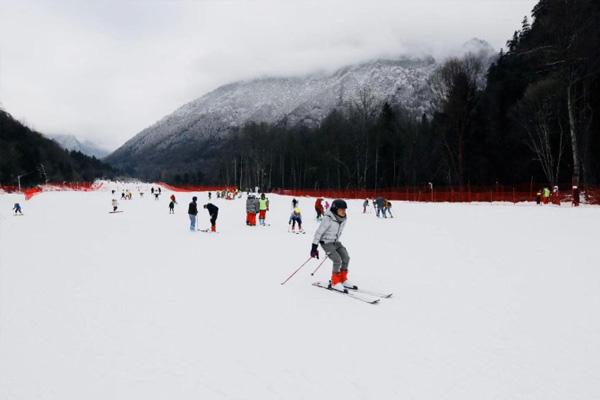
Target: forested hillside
<point x="535" y="117"/>
<point x="36" y="159"/>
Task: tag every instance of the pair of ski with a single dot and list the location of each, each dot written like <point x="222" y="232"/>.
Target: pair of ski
<point x="366" y="296"/>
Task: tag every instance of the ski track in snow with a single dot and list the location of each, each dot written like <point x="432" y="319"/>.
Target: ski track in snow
<point x="491" y="301"/>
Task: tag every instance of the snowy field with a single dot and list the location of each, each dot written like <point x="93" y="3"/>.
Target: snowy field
<point x="490" y="302"/>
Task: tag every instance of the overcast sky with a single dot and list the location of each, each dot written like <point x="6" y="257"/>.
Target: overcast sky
<point x="104" y="70"/>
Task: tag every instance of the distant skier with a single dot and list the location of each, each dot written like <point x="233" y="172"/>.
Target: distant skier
<point x="152" y="190"/>
<point x="115" y="205"/>
<point x="365" y="205"/>
<point x="122" y="195"/>
<point x="263" y="207"/>
<point x="17" y="209"/>
<point x="388" y="208"/>
<point x="156" y="194"/>
<point x="296" y="217"/>
<point x="328" y="235"/>
<point x="555" y="196"/>
<point x="380" y="206"/>
<point x="319" y="208"/>
<point x="251" y="210"/>
<point x="159" y="191"/>
<point x="193" y="213"/>
<point x="294" y="203"/>
<point x="575" y="195"/>
<point x="538" y="197"/>
<point x="546" y="195"/>
<point x="171" y="207"/>
<point x="213" y="211"/>
<point x="209" y="195"/>
<point x="256" y="202"/>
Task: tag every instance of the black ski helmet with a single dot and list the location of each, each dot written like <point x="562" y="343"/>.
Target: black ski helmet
<point x="337" y="204"/>
<point x="194" y="198"/>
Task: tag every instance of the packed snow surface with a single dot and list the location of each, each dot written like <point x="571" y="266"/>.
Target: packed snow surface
<point x="491" y="301"/>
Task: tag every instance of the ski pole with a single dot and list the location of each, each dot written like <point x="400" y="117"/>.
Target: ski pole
<point x="319" y="266"/>
<point x="299" y="268"/>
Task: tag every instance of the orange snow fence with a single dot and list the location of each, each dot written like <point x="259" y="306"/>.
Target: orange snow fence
<point x="53" y="187"/>
<point x="467" y="194"/>
<point x="29" y="193"/>
<point x="195" y="188"/>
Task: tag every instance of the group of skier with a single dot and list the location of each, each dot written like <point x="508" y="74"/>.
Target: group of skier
<point x="327" y="235"/>
<point x="382" y="207"/>
<point x="256" y="206"/>
<point x="213" y="212"/>
<point x="545" y="196"/>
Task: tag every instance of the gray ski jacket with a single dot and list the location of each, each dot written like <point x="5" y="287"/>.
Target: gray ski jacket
<point x="330" y="229"/>
<point x="251" y="205"/>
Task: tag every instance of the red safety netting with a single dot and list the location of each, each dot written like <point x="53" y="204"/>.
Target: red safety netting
<point x="30" y="192"/>
<point x="51" y="187"/>
<point x="196" y="188"/>
<point x="9" y="188"/>
<point x="590" y="195"/>
<point x="497" y="193"/>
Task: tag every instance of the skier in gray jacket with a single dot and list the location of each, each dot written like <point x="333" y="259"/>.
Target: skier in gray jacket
<point x="252" y="207"/>
<point x="328" y="235"/>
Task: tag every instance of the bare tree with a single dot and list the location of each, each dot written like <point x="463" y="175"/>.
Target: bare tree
<point x="539" y="114"/>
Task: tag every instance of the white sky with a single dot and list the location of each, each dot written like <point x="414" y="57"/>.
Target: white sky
<point x="104" y="70"/>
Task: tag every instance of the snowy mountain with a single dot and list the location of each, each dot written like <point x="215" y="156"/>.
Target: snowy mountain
<point x="70" y="142"/>
<point x="477" y="47"/>
<point x="285" y="100"/>
<point x="291" y="100"/>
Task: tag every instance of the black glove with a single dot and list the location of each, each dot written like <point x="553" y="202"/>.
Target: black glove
<point x="314" y="252"/>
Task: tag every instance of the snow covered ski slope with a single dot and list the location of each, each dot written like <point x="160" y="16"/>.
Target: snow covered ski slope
<point x="489" y="302"/>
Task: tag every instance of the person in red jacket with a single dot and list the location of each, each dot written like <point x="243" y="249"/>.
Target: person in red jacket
<point x="555" y="196"/>
<point x="319" y="208"/>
